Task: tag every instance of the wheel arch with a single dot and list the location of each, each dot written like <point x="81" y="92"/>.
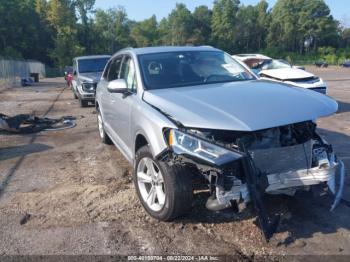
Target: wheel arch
<point x="140" y="141"/>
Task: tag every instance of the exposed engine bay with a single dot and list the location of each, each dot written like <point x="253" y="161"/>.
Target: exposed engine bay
<point x="286" y="158"/>
<point x="279" y="160"/>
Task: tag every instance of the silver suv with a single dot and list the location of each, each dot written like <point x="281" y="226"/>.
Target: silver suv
<point x="87" y="72"/>
<point x="183" y="113"/>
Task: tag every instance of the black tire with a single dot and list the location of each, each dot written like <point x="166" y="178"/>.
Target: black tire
<point x="178" y="188"/>
<point x="83" y="103"/>
<point x="105" y="139"/>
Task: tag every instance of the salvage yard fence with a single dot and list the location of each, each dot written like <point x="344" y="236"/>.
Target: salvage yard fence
<point x="13" y="71"/>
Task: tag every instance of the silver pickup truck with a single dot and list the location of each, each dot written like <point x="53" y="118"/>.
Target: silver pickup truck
<point x="179" y="113"/>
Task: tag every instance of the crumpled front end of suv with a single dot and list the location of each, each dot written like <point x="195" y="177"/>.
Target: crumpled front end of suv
<point x="243" y="166"/>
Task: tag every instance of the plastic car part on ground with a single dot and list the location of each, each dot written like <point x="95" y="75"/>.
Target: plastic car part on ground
<point x="339" y="193"/>
<point x="26" y="123"/>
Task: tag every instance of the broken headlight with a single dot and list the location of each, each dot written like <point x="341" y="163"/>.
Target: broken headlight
<point x="185" y="144"/>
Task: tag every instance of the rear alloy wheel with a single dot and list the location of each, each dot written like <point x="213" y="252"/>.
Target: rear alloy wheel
<point x="164" y="191"/>
<point x="101" y="130"/>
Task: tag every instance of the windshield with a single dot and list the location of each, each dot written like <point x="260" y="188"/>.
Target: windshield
<point x="92" y="65"/>
<point x="267" y="64"/>
<point x="176" y="69"/>
<point x="277" y="64"/>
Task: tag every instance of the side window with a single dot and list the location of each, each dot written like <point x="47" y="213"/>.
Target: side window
<point x="128" y="73"/>
<point x="114" y="67"/>
<point x="74" y="65"/>
<point x="105" y="73"/>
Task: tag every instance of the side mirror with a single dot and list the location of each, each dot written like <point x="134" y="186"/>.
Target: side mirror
<point x="117" y="86"/>
<point x="75" y="73"/>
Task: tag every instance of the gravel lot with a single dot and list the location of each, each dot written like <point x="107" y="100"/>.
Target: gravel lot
<point x="78" y="196"/>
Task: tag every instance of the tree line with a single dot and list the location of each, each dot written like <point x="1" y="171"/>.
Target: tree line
<point x="55" y="31"/>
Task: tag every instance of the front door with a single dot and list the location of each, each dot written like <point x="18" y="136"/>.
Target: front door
<point x="107" y="101"/>
<point x="122" y="105"/>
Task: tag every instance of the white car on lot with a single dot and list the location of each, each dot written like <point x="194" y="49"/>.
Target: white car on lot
<point x="281" y="71"/>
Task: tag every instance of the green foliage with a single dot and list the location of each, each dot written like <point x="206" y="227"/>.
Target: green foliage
<point x="20" y="30"/>
<point x="331" y="59"/>
<point x="345" y="35"/>
<point x="146" y="33"/>
<point x="10" y="52"/>
<point x="326" y="50"/>
<point x="295" y="21"/>
<point x="61" y="17"/>
<point x="54" y="31"/>
<point x="66" y="46"/>
<point x="224" y="20"/>
<point x="111" y="30"/>
<point x="180" y="23"/>
<point x="202" y="16"/>
<point x="84" y="7"/>
<point x="164" y="35"/>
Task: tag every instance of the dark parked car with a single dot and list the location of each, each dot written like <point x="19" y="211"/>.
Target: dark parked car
<point x="321" y="64"/>
<point x="346" y="63"/>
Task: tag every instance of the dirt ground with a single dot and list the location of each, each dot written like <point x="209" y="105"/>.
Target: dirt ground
<point x="63" y="192"/>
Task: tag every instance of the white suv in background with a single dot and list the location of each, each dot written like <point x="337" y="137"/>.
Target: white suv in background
<point x="281" y="71"/>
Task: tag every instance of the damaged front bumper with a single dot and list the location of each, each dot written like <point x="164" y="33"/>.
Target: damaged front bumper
<point x="277" y="170"/>
<point x="300" y="178"/>
<point x="261" y="170"/>
<point x="289" y="183"/>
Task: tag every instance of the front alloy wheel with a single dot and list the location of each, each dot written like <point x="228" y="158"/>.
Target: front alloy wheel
<point x="151" y="184"/>
<point x="164" y="191"/>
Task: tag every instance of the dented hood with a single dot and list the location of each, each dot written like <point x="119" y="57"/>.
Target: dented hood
<point x="286" y="73"/>
<point x="241" y="106"/>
